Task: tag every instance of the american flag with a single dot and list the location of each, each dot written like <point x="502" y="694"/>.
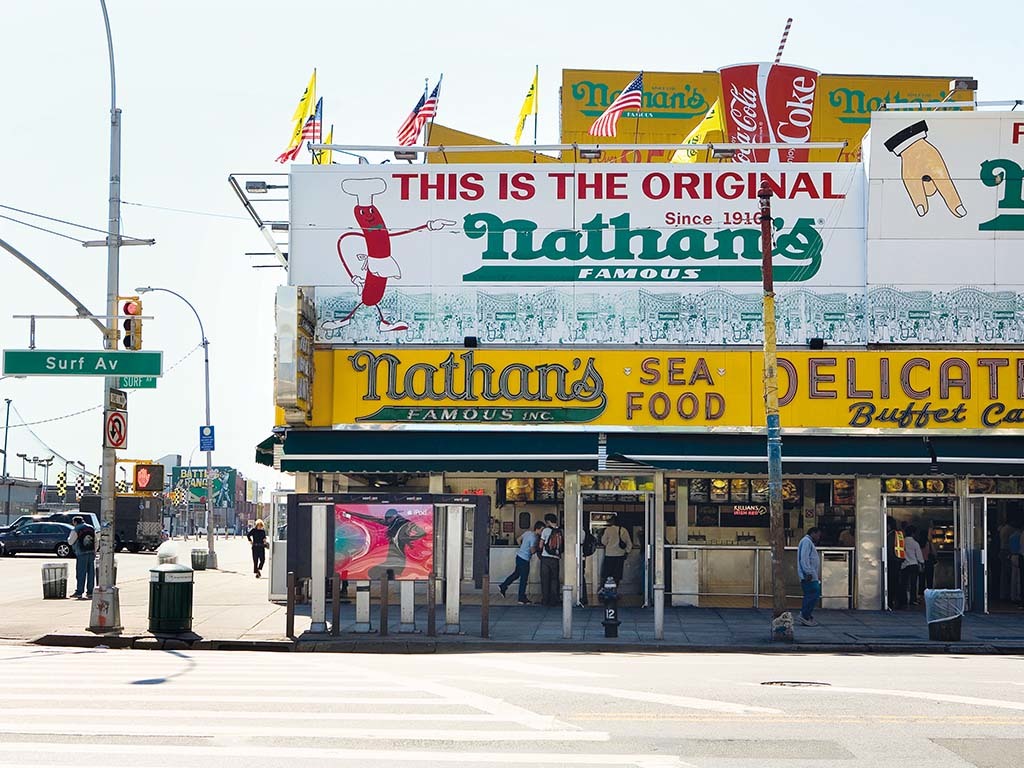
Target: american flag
<point x="310" y="131"/>
<point x="421" y="114"/>
<point x="632" y="97"/>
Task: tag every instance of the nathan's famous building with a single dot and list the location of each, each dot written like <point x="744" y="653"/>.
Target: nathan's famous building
<point x="584" y="338"/>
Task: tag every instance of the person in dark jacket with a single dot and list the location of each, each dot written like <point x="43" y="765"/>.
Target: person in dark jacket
<point x="257" y="536"/>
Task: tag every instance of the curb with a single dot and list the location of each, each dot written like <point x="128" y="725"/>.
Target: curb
<point x="328" y="644"/>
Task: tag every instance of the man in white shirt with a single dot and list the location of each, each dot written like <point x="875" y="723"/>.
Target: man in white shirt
<point x="808" y="567"/>
<point x="912" y="564"/>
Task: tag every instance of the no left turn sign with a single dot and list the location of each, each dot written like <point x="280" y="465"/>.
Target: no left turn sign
<point x="115" y="429"/>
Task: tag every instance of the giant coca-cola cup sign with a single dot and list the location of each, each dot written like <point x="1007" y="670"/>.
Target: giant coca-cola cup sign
<point x="768" y="104"/>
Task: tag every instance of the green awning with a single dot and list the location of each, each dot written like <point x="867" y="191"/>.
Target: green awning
<point x="997" y="455"/>
<point x="362" y="451"/>
<point x="801" y="455"/>
<point x="265" y="451"/>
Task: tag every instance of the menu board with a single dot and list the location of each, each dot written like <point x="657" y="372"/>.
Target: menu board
<point x="699" y="490"/>
<point x="843" y="492"/>
<point x="759" y="490"/>
<point x="518" y="489"/>
<point x="739" y="489"/>
<point x="549" y="489"/>
<point x="719" y="490"/>
<point x="918" y="485"/>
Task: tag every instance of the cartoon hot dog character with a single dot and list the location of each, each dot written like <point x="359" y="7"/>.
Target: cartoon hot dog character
<point x="377" y="264"/>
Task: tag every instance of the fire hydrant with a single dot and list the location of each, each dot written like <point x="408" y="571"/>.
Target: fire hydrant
<point x="609" y="595"/>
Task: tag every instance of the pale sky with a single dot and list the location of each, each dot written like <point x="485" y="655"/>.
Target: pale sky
<point x="208" y="88"/>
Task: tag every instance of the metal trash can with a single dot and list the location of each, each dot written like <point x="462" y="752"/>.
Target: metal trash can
<point x="199" y="557"/>
<point x="55" y="581"/>
<point x="944" y="611"/>
<point x="170" y="598"/>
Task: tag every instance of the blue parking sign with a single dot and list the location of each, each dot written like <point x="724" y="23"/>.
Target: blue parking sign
<point x="206" y="438"/>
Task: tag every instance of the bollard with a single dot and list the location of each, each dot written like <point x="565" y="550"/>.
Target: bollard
<point x="485" y="605"/>
<point x="659" y="611"/>
<point x="363" y="607"/>
<point x="609" y="596"/>
<point x="335" y="605"/>
<point x="431" y="605"/>
<point x="407" y="606"/>
<point x="289" y="611"/>
<point x="567" y="611"/>
<point x="385" y="600"/>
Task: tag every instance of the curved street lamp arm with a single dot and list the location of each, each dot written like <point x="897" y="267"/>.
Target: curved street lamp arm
<point x="82" y="309"/>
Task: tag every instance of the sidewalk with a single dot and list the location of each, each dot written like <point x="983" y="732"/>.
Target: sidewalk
<point x="231" y="610"/>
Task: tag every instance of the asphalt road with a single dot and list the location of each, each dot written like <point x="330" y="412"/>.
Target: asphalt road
<point x="147" y="708"/>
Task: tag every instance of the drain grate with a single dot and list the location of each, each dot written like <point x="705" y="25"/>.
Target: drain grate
<point x="796" y="683"/>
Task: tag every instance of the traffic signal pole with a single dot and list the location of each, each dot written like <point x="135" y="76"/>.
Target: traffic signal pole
<point x="105" y="615"/>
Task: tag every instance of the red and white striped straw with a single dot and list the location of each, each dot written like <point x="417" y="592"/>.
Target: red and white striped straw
<point x="782" y="42"/>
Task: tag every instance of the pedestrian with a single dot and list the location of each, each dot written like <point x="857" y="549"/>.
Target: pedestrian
<point x="617" y="546"/>
<point x="257" y="536"/>
<point x="911" y="567"/>
<point x="808" y="567"/>
<point x="928" y="553"/>
<point x="895" y="545"/>
<point x="83" y="542"/>
<point x="527" y="548"/>
<point x="551" y="546"/>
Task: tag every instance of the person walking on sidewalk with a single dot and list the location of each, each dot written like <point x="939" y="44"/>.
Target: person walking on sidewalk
<point x="911" y="568"/>
<point x="808" y="567"/>
<point x="527" y="548"/>
<point x="83" y="543"/>
<point x="617" y="546"/>
<point x="257" y="536"/>
<point x="551" y="545"/>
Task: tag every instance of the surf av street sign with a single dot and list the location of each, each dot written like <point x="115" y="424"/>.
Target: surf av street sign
<point x="65" y="362"/>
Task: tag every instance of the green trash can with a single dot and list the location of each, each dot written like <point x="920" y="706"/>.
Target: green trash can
<point x="170" y="598"/>
<point x="55" y="581"/>
<point x="199" y="557"/>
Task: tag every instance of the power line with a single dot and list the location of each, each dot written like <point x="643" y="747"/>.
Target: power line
<point x="185" y="210"/>
<point x="41" y="229"/>
<point x="58" y="221"/>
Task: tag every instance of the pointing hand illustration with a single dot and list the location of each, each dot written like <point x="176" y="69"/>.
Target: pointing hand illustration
<point x="435" y="224"/>
<point x="923" y="169"/>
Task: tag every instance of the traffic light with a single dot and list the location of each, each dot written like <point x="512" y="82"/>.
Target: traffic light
<point x="149" y="477"/>
<point x="133" y="323"/>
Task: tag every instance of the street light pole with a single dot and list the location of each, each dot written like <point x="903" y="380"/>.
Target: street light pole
<point x="212" y="558"/>
<point x="46" y="478"/>
<point x="105" y="615"/>
<point x="782" y="620"/>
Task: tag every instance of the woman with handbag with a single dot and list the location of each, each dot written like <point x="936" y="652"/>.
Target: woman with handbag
<point x="257" y="536"/>
<point x="617" y="546"/>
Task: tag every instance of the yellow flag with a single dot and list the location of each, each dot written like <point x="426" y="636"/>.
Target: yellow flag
<point x="529" y="106"/>
<point x="304" y="109"/>
<point x="325" y="156"/>
<point x="306" y="103"/>
<point x="710" y="130"/>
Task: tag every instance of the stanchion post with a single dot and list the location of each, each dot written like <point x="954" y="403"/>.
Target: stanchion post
<point x="485" y="606"/>
<point x="289" y="611"/>
<point x="567" y="611"/>
<point x="335" y="605"/>
<point x="432" y="605"/>
<point x="659" y="611"/>
<point x="385" y="599"/>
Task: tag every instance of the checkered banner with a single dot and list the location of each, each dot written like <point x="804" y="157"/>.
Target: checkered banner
<point x="95" y="483"/>
<point x="79" y="487"/>
<point x="62" y="486"/>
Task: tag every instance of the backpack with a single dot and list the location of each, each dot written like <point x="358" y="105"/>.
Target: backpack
<point x="86" y="538"/>
<point x="589" y="544"/>
<point x="555" y="544"/>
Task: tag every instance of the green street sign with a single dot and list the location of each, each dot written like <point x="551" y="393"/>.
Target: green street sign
<point x="137" y="382"/>
<point x="70" y="362"/>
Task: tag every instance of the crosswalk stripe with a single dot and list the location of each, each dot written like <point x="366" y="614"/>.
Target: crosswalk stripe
<point x="358" y="756"/>
<point x="260" y="700"/>
<point x="323" y="732"/>
<point x="250" y="715"/>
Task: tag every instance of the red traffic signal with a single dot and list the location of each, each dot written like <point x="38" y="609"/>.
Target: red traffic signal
<point x="133" y="324"/>
<point x="148" y="477"/>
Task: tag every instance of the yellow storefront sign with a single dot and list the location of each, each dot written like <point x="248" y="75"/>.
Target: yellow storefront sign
<point x="674" y="390"/>
<point x="675" y="102"/>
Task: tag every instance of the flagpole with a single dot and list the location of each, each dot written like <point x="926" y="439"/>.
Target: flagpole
<point x="536" y="106"/>
<point x="430" y="125"/>
<point x="636" y="132"/>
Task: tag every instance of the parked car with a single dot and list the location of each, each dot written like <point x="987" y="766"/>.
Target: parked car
<point x="53" y="517"/>
<point x="42" y="537"/>
<point x="20" y="521"/>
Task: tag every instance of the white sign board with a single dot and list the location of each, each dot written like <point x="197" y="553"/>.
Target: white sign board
<point x="946" y="227"/>
<point x="576" y="254"/>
